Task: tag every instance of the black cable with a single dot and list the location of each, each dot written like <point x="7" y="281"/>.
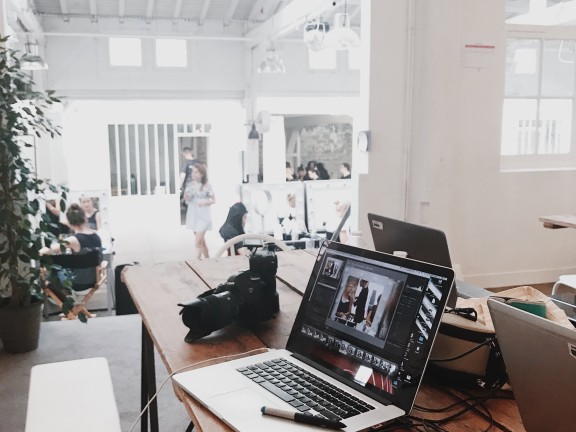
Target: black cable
<point x="469" y="398"/>
<point x="459" y="356"/>
<point x="190" y="427"/>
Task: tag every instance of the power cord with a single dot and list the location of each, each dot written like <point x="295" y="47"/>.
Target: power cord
<point x="465" y="353"/>
<point x="478" y="404"/>
<point x="193" y="365"/>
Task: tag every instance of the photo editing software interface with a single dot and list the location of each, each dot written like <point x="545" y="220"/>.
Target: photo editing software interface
<point x="370" y="322"/>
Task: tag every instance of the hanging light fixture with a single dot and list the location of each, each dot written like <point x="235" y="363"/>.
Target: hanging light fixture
<point x="32" y="60"/>
<point x="253" y="134"/>
<point x="314" y="34"/>
<point x="342" y="37"/>
<point x="272" y="63"/>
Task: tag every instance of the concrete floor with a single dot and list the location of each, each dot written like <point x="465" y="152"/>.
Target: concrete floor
<point x="117" y="338"/>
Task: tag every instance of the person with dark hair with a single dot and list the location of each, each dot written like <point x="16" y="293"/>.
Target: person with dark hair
<point x="345" y="170"/>
<point x="360" y="302"/>
<point x="199" y="196"/>
<point x="311" y="172"/>
<point x="322" y="171"/>
<point x="300" y="173"/>
<point x="186" y="170"/>
<point x="234" y="226"/>
<point x="84" y="237"/>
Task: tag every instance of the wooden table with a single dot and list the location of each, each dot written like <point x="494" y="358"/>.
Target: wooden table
<point x="559" y="221"/>
<point x="157" y="289"/>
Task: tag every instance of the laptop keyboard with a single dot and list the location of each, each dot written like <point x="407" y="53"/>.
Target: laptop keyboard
<point x="303" y="390"/>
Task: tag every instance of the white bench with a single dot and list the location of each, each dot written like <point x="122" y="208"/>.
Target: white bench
<point x="72" y="396"/>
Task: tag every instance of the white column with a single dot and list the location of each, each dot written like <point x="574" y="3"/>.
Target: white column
<point x="385" y="93"/>
<point x="274" y="152"/>
<point x="3" y="19"/>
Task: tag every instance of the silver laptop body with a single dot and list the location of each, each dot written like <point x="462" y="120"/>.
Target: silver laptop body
<point x="540" y="358"/>
<point x="376" y="351"/>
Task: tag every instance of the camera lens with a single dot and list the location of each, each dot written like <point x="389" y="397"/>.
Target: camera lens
<point x="207" y="314"/>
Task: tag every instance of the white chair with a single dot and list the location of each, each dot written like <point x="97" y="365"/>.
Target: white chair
<point x="264" y="237"/>
<point x="568" y="280"/>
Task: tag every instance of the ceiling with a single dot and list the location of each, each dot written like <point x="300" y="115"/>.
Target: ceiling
<point x="253" y="20"/>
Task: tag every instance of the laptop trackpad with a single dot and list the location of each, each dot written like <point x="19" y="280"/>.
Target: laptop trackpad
<point x="243" y="411"/>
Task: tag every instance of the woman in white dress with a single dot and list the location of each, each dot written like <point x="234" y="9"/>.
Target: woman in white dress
<point x="199" y="196"/>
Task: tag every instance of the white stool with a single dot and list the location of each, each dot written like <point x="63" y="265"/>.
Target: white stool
<point x="568" y="280"/>
<point x="72" y="396"/>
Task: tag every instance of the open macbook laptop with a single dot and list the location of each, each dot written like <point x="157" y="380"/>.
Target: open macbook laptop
<point x="417" y="241"/>
<point x="357" y="350"/>
<point x="540" y="358"/>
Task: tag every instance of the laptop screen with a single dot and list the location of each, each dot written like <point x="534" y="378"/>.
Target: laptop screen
<point x="369" y="320"/>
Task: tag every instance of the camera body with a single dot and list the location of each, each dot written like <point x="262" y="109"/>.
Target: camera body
<point x="247" y="297"/>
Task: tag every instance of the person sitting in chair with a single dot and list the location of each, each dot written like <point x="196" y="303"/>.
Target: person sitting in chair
<point x="234" y="226"/>
<point x="81" y="264"/>
<point x="83" y="237"/>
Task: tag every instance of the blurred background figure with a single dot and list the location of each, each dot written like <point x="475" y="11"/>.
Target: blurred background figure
<point x="234" y="226"/>
<point x="322" y="172"/>
<point x="186" y="170"/>
<point x="290" y="176"/>
<point x="301" y="173"/>
<point x="199" y="196"/>
<point x="345" y="170"/>
<point x="311" y="173"/>
<point x="93" y="218"/>
<point x="341" y="207"/>
<point x="58" y="225"/>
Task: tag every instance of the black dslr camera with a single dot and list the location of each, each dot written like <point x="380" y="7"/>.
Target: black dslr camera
<point x="247" y="297"/>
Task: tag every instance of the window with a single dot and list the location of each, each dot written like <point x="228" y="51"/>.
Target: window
<point x="144" y="158"/>
<point x="324" y="59"/>
<point x="538" y="116"/>
<point x="171" y="53"/>
<point x="125" y="51"/>
<point x="538" y="121"/>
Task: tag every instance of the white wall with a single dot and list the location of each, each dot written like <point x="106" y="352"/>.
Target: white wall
<point x="79" y="68"/>
<point x="454" y="182"/>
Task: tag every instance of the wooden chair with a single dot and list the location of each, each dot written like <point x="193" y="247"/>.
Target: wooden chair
<point x="88" y="272"/>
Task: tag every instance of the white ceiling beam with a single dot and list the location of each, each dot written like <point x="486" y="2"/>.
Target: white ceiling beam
<point x="64" y="7"/>
<point x="287" y="20"/>
<point x="231" y="10"/>
<point x="355" y="12"/>
<point x="149" y="9"/>
<point x="279" y="6"/>
<point x="177" y="9"/>
<point x="93" y="8"/>
<point x="204" y="11"/>
<point x="30" y="21"/>
<point x="121" y="8"/>
<point x="256" y="11"/>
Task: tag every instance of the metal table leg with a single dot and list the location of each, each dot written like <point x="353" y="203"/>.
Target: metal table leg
<point x="148" y="384"/>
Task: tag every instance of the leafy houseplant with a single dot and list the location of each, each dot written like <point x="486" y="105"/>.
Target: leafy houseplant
<point x="24" y="227"/>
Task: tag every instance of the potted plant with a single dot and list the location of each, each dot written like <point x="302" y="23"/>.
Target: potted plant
<point x="24" y="226"/>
